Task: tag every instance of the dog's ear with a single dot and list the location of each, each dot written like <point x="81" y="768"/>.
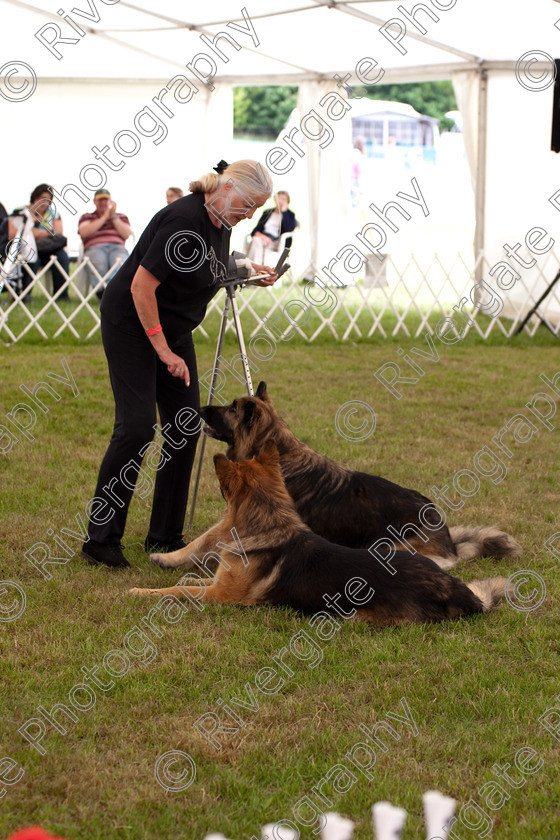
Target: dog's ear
<point x="261" y="392"/>
<point x="269" y="453"/>
<point x="249" y="414"/>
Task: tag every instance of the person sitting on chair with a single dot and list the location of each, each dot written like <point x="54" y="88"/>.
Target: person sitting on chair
<point x="46" y="229"/>
<point x="271" y="225"/>
<point x="104" y="234"/>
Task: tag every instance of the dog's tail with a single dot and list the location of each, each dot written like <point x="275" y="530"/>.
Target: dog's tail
<point x="489" y="591"/>
<point x="474" y="541"/>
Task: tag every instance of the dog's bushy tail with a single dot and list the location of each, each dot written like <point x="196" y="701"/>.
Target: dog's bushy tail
<point x="474" y="541"/>
<point x="489" y="591"/>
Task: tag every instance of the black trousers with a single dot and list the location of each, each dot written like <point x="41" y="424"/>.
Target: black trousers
<point x="58" y="279"/>
<point x="140" y="382"/>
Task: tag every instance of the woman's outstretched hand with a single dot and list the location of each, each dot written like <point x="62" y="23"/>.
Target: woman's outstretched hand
<point x="265" y="269"/>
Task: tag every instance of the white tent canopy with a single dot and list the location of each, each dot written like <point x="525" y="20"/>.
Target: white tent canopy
<point x="116" y="58"/>
<point x="311" y="39"/>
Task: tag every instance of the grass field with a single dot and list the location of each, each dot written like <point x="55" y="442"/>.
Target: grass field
<point x="474" y="689"/>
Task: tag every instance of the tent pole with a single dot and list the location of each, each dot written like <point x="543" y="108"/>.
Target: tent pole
<point x="480" y="198"/>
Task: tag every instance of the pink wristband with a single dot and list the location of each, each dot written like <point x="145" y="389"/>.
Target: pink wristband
<point x="154" y="330"/>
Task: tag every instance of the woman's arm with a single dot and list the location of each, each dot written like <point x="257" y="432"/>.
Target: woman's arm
<point x="40" y="233"/>
<point x="288" y="222"/>
<point x="261" y="223"/>
<point x="43" y="232"/>
<point x="143" y="290"/>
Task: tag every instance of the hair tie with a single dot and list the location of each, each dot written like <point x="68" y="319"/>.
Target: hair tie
<point x="220" y="167"/>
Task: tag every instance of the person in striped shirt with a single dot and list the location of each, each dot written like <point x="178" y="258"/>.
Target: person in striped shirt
<point x="104" y="234"/>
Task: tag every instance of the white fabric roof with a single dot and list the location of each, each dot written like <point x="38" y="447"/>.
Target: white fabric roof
<point x="297" y="38"/>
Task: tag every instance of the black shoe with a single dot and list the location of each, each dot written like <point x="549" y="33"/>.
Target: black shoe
<point x="163" y="547"/>
<point x="105" y="554"/>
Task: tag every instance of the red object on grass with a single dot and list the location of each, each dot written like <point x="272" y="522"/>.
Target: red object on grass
<point x="34" y="832"/>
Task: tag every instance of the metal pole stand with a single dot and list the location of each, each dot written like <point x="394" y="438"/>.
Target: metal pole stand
<point x="231" y="287"/>
<point x="534" y="311"/>
<point x="230" y="301"/>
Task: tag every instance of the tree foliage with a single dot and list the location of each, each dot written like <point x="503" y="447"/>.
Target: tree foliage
<point x="262" y="111"/>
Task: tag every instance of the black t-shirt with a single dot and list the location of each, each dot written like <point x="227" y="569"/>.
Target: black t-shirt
<point x="187" y="254"/>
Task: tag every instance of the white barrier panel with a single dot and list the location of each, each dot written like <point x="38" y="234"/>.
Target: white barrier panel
<point x="417" y="295"/>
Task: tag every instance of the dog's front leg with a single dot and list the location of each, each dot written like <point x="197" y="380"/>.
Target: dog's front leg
<point x="183" y="556"/>
<point x="187" y="581"/>
<point x="216" y="592"/>
<point x="177" y="591"/>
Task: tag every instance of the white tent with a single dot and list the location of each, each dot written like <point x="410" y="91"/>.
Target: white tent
<point x="142" y="96"/>
<point x="379" y="123"/>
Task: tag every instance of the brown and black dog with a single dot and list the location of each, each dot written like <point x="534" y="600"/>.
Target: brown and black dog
<point x="281" y="562"/>
<point x="344" y="506"/>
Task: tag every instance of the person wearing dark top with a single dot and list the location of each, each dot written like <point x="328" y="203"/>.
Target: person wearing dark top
<point x="270" y="227"/>
<point x="44" y="224"/>
<point x="148" y="312"/>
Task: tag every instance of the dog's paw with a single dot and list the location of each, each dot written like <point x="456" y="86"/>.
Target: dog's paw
<point x="158" y="560"/>
<point x="136" y="591"/>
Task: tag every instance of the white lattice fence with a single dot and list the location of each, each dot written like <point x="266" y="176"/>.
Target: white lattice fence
<point x="34" y="307"/>
<point x="417" y="293"/>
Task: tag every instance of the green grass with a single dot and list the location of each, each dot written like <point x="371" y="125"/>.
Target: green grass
<point x="475" y="688"/>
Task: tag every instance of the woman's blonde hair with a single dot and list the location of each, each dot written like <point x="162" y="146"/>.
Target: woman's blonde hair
<point x="253" y="178"/>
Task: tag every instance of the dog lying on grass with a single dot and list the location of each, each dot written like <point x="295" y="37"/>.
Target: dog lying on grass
<point x="283" y="563"/>
<point x="345" y="506"/>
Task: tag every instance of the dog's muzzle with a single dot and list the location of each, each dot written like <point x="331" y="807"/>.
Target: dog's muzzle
<point x="208" y="430"/>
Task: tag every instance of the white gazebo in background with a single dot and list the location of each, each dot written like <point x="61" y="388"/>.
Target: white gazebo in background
<point x="382" y="123"/>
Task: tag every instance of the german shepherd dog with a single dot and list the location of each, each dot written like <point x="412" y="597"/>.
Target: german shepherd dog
<point x="283" y="563"/>
<point x="344" y="506"/>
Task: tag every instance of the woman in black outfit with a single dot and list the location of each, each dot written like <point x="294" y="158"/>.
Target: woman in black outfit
<point x="148" y="312"/>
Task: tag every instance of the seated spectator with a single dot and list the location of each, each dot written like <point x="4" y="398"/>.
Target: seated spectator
<point x="43" y="239"/>
<point x="173" y="193"/>
<point x="104" y="234"/>
<point x="49" y="239"/>
<point x="271" y="225"/>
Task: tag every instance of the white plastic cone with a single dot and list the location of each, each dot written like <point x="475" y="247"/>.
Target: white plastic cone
<point x="282" y="833"/>
<point x="337" y="828"/>
<point x="438" y="810"/>
<point x="388" y="821"/>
